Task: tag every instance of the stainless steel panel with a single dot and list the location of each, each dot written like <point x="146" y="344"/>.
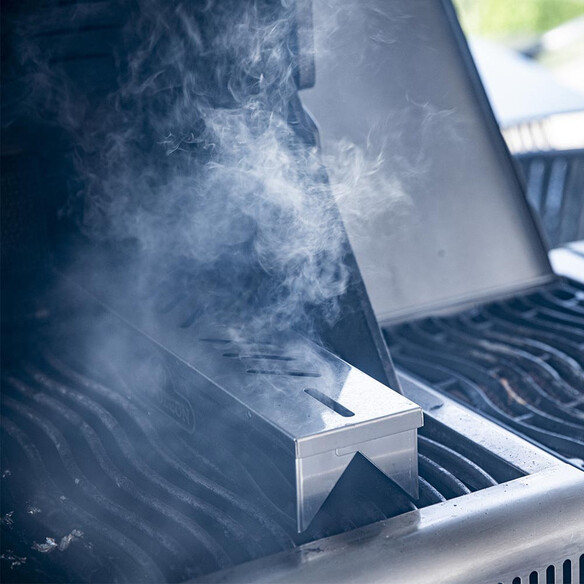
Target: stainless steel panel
<point x="497" y="440"/>
<point x="486" y="537"/>
<point x="393" y="79"/>
<point x="577" y="247"/>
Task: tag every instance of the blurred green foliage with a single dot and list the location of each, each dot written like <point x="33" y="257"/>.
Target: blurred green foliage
<point x="512" y="18"/>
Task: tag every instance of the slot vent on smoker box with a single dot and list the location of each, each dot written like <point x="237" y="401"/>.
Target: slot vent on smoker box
<point x="258" y="356"/>
<point x="330" y="403"/>
<point x="280" y="372"/>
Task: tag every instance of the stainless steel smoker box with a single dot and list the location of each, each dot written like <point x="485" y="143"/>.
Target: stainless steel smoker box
<point x="320" y="410"/>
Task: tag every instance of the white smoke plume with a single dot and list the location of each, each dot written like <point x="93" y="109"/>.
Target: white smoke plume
<point x="201" y="160"/>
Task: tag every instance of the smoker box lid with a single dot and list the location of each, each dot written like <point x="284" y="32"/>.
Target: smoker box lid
<point x="396" y="79"/>
<point x="295" y="388"/>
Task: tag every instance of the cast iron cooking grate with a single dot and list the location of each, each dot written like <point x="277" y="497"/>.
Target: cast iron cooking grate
<point x="93" y="491"/>
<point x="520" y="362"/>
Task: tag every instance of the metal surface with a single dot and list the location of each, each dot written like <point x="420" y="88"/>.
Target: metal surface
<point x="483" y="433"/>
<point x="577" y="247"/>
<point x="305" y="44"/>
<point x="320" y="408"/>
<point x="492" y="535"/>
<point x="495" y="535"/>
<point x="130" y="462"/>
<point x="87" y="48"/>
<point x="396" y="80"/>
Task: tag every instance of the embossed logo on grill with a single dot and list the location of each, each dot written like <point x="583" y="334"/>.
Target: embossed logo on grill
<point x="154" y="381"/>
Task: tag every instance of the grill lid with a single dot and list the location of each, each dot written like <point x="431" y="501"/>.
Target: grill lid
<point x="397" y="80"/>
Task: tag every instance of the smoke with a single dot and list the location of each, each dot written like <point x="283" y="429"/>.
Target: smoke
<point x="193" y="162"/>
<point x="202" y="161"/>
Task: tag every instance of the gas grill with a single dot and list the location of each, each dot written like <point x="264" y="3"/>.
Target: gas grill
<point x="118" y="497"/>
<point x="195" y="445"/>
<point x="110" y="490"/>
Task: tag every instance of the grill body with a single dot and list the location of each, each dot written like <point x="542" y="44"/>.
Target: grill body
<point x="93" y="490"/>
<point x="492" y="535"/>
<point x="84" y="464"/>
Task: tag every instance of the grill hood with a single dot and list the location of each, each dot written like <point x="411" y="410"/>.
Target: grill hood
<point x="464" y="232"/>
